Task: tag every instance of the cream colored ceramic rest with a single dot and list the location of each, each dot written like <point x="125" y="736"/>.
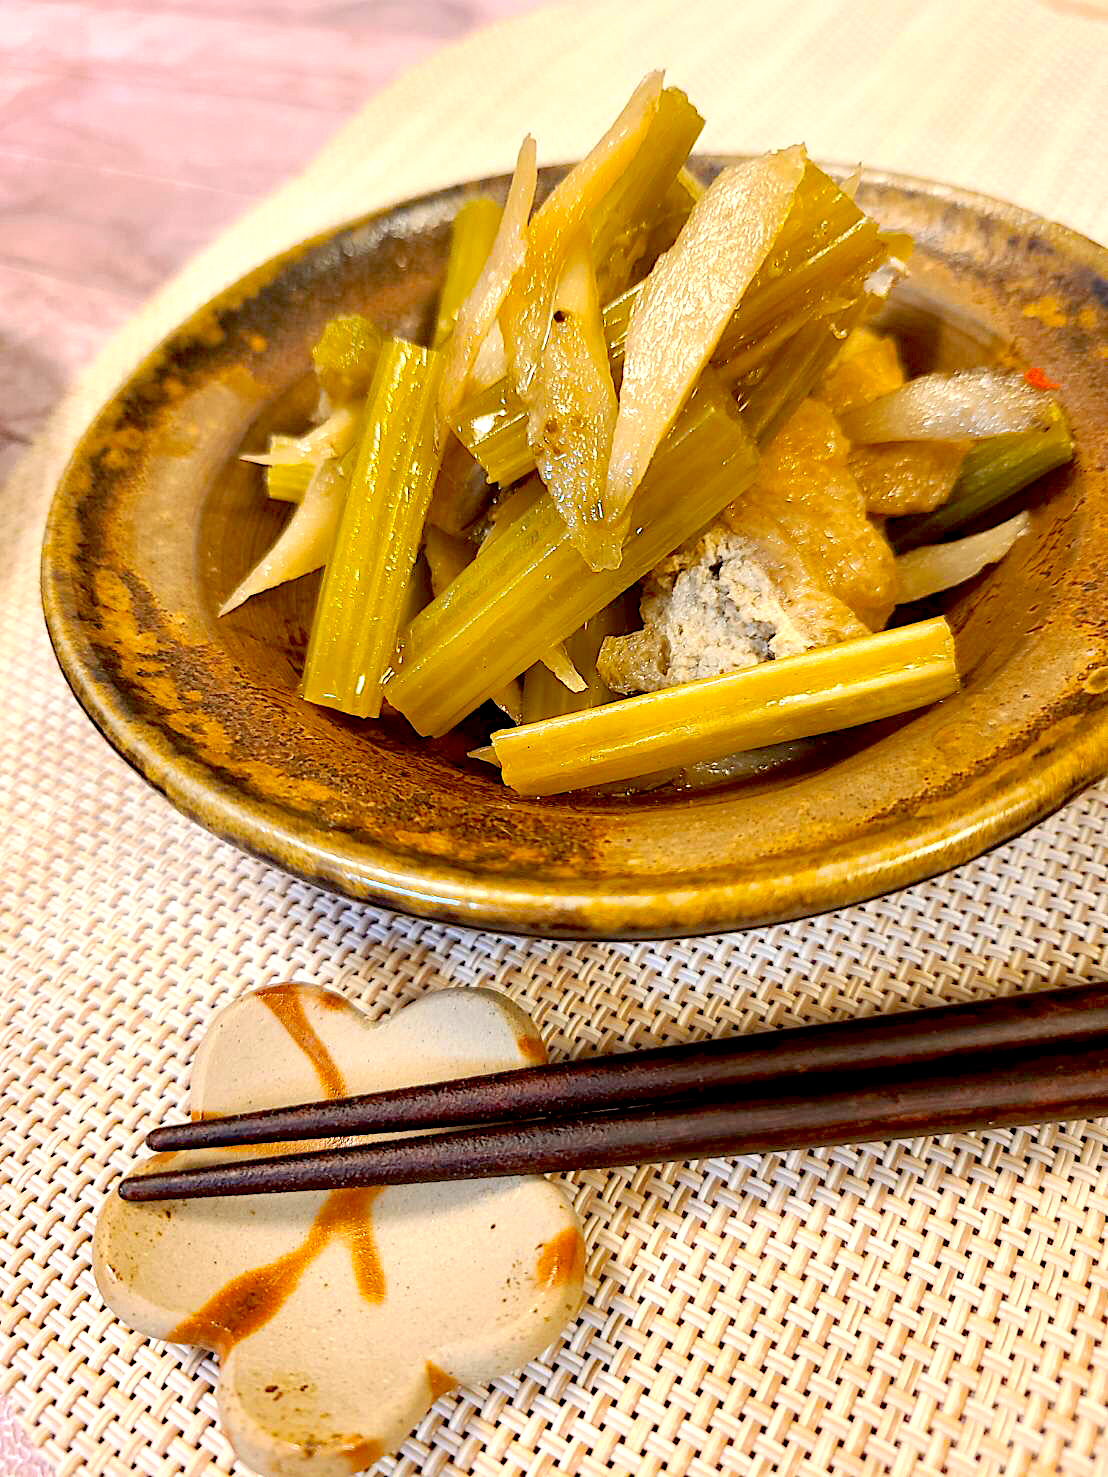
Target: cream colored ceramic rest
<point x="341" y="1316"/>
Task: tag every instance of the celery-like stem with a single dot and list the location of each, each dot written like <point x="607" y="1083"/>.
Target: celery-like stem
<point x="287" y="482"/>
<point x="820" y="691"/>
<point x="492" y="424"/>
<point x="625" y="227"/>
<point x="826" y="247"/>
<point x="795" y="371"/>
<point x="993" y="471"/>
<point x="346" y="357"/>
<point x="362" y="599"/>
<point x="754" y="354"/>
<point x="572" y="411"/>
<point x="446" y="557"/>
<point x="471" y="239"/>
<point x="633" y="201"/>
<point x="857" y="251"/>
<point x="686" y="304"/>
<point x="532" y="588"/>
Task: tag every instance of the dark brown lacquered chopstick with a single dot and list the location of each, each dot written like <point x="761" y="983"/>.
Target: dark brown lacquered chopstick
<point x="1007" y="1090"/>
<point x="1047" y="1019"/>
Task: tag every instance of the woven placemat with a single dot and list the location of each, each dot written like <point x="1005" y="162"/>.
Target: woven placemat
<point x="926" y="1307"/>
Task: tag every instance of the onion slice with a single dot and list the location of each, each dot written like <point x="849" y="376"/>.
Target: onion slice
<point x="938" y="567"/>
<point x="305" y="541"/>
<point x="949" y="407"/>
<point x="332" y="437"/>
<point x="687" y="302"/>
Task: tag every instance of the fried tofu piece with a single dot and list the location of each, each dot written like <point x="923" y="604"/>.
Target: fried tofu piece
<point x="805" y="483"/>
<point x="734" y="597"/>
<point x="866" y="367"/>
<point x="898" y="477"/>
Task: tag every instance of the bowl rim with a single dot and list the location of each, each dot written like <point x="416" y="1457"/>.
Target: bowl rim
<point x="520" y="904"/>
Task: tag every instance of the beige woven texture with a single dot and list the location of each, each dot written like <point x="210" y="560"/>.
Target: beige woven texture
<point x="926" y="1307"/>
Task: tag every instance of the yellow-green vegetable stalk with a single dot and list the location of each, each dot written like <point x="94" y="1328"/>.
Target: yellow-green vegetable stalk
<point x="471" y="239"/>
<point x="476" y="314"/>
<point x="993" y="471"/>
<point x="794" y="371"/>
<point x="818" y="692"/>
<point x="346" y="357"/>
<point x="525" y="312"/>
<point x="826" y="246"/>
<point x="446" y="557"/>
<point x="492" y="424"/>
<point x="622" y="177"/>
<point x="687" y="302"/>
<point x="643" y="215"/>
<point x="361" y="601"/>
<point x="287" y="482"/>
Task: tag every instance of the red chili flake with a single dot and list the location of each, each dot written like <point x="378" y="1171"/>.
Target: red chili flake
<point x="1041" y="380"/>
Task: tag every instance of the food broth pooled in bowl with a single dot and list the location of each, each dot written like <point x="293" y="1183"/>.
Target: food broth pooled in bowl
<point x="658" y="485"/>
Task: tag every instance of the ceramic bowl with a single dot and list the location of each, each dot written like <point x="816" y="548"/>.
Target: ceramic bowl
<point x="155" y="521"/>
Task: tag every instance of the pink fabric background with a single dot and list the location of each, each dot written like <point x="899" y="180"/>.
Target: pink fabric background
<point x="131" y="133"/>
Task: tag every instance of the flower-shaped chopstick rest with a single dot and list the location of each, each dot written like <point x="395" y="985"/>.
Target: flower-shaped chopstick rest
<point x="340" y="1317"/>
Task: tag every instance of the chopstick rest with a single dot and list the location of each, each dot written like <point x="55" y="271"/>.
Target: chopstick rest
<point x="341" y="1316"/>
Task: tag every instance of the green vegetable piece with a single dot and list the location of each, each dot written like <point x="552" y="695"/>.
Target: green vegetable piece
<point x="794" y="371"/>
<point x="817" y="692"/>
<point x="471" y="239"/>
<point x="826" y="248"/>
<point x="492" y="425"/>
<point x="346" y="357"/>
<point x="649" y="197"/>
<point x="572" y="411"/>
<point x="361" y="603"/>
<point x="530" y="589"/>
<point x="287" y="482"/>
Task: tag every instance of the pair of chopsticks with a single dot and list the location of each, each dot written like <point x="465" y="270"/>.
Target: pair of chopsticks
<point x="1033" y="1058"/>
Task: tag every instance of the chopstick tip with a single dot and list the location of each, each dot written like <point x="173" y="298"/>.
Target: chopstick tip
<point x="166" y="1137"/>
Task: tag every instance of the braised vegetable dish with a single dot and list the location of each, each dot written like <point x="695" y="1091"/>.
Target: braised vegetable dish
<point x="657" y="484"/>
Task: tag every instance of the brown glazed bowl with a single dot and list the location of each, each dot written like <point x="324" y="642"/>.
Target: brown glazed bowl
<point x="155" y="521"/>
